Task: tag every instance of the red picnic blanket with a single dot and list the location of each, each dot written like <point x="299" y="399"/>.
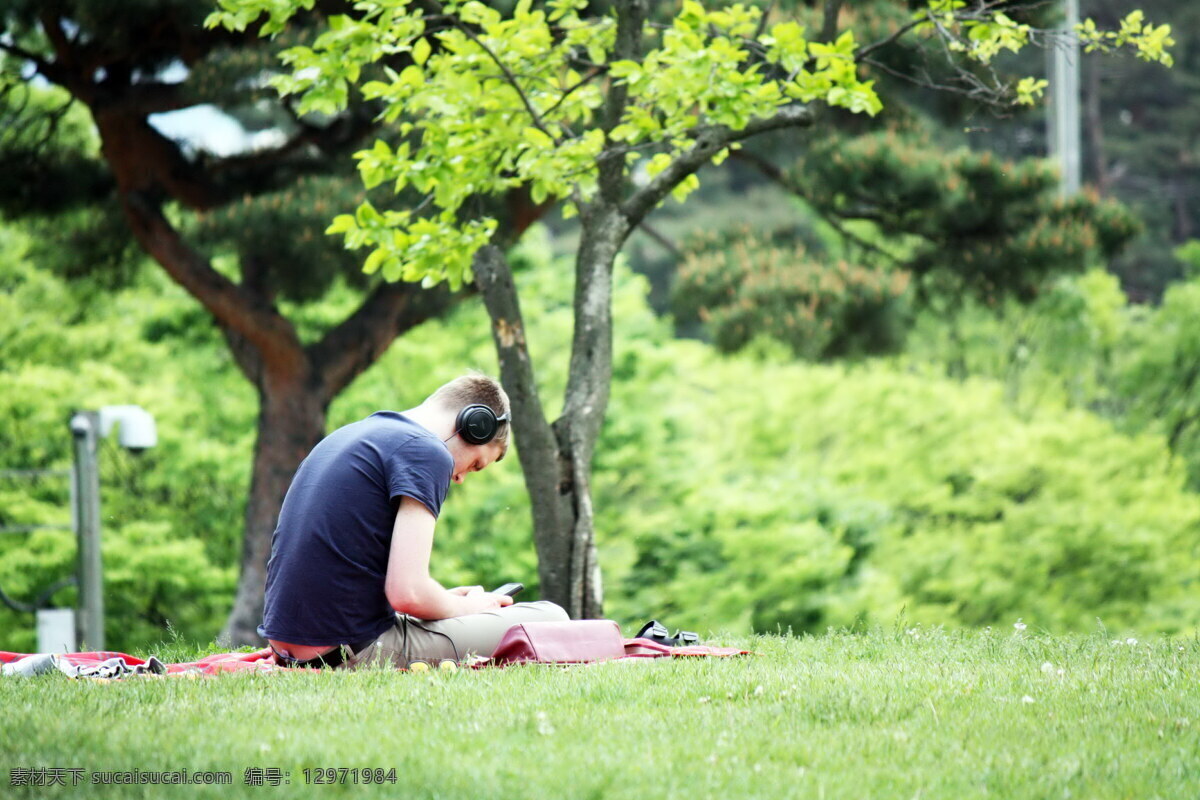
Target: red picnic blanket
<point x="91" y="664"/>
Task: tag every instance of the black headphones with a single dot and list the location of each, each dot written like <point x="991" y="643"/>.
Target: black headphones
<point x="478" y="424"/>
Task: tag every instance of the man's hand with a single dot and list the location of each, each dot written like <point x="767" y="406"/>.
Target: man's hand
<point x="475" y="595"/>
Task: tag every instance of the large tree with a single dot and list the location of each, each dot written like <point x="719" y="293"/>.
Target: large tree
<point x="187" y="206"/>
<point x="609" y="113"/>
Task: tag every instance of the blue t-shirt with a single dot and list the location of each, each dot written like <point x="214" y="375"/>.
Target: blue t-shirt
<point x="329" y="552"/>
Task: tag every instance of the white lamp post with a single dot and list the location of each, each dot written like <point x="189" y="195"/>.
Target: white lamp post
<point x="1064" y="100"/>
<point x="136" y="431"/>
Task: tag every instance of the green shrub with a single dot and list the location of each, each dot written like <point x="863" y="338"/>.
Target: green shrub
<point x="809" y="496"/>
<point x="1083" y="343"/>
<point x="171" y="517"/>
<point x="741" y="287"/>
<point x="746" y="493"/>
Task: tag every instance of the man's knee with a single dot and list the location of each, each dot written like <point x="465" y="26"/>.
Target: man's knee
<point x="544" y="611"/>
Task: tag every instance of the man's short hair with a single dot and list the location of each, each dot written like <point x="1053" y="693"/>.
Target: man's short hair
<point x="475" y="389"/>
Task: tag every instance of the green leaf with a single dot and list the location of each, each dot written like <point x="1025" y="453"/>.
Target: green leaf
<point x="597" y="53"/>
<point x="421" y="51"/>
<point x="374" y="260"/>
<point x="412" y="76"/>
<point x="627" y="69"/>
<point x="367" y="215"/>
<point x="565" y="8"/>
<point x="537" y="138"/>
<point x="372" y="175"/>
<point x="657" y="164"/>
<point x="341" y="224"/>
<point x="1029" y="90"/>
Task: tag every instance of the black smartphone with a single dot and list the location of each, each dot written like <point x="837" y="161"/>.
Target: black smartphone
<point x="510" y="589"/>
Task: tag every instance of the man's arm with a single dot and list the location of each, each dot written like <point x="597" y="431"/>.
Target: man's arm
<point x="409" y="587"/>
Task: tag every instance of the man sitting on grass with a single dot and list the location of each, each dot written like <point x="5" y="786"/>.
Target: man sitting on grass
<point x="348" y="581"/>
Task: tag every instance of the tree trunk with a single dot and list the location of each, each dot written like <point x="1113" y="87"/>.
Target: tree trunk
<point x="291" y="420"/>
<point x="556" y="460"/>
<point x="586" y="401"/>
<point x="1094" y="123"/>
<point x="535" y="441"/>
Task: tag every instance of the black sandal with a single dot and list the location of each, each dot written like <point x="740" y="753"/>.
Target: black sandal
<point x="655" y="631"/>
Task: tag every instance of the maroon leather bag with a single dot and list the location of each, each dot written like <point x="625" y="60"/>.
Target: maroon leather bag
<point x="577" y="641"/>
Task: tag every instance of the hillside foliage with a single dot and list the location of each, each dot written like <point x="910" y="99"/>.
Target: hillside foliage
<point x="747" y="492"/>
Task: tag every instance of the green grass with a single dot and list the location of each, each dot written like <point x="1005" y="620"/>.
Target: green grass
<point x="901" y="714"/>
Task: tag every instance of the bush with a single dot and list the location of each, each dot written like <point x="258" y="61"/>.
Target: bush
<point x="810" y="496"/>
<point x="1083" y="343"/>
<point x="744" y="287"/>
<point x="172" y="516"/>
<point x="746" y="493"/>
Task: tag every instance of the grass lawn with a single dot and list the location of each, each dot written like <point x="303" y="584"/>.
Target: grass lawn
<point x="903" y="714"/>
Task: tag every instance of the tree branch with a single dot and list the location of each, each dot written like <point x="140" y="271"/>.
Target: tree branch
<point x="358" y="341"/>
<point x="778" y="176"/>
<point x="710" y="140"/>
<point x="762" y="20"/>
<point x="975" y="88"/>
<point x="144" y="160"/>
<point x="263" y="328"/>
<point x="863" y="52"/>
<point x="662" y="240"/>
<point x="586" y="79"/>
<point x="146" y="98"/>
<point x="985" y="96"/>
<point x="257" y="159"/>
<point x="54" y="32"/>
<point x="830" y="23"/>
<point x="631" y="16"/>
<point x="512" y="80"/>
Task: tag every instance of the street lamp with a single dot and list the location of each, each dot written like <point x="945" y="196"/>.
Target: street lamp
<point x="136" y="432"/>
<point x="1064" y="134"/>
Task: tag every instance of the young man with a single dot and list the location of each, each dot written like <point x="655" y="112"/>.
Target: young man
<point x="348" y="582"/>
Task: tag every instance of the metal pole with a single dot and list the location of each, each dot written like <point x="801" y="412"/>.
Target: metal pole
<point x="85" y="428"/>
<point x="1064" y="100"/>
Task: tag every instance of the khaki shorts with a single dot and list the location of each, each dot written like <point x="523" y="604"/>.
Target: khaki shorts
<point x="456" y="639"/>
